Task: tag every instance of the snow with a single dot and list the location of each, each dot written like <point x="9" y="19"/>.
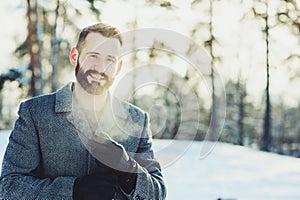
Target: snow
<point x="3" y="143"/>
<point x="227" y="172"/>
<point x="232" y="172"/>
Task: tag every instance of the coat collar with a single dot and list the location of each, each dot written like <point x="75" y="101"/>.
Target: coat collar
<point x="115" y="115"/>
<point x="63" y="99"/>
<point x="64" y="102"/>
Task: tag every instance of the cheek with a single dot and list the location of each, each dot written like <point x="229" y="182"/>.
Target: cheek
<point x="84" y="63"/>
<point x="112" y="69"/>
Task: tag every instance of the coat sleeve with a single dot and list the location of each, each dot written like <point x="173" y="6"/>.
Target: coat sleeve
<point x="150" y="183"/>
<point x="21" y="177"/>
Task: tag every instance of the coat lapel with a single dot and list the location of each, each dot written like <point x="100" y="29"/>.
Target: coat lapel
<point x="79" y="121"/>
<point x="113" y="117"/>
<point x="119" y="120"/>
<point x="65" y="102"/>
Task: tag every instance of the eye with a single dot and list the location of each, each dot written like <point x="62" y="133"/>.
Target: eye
<point x="93" y="56"/>
<point x="110" y="60"/>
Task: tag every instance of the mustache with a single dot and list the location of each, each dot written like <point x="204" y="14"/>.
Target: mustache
<point x="102" y="74"/>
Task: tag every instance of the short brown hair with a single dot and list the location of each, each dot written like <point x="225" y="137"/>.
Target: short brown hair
<point x="104" y="29"/>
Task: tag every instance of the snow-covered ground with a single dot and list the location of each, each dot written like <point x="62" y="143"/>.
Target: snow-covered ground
<point x="228" y="172"/>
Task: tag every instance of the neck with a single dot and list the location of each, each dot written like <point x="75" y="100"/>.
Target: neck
<point x="89" y="101"/>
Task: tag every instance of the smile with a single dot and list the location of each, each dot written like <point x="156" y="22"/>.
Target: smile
<point x="97" y="76"/>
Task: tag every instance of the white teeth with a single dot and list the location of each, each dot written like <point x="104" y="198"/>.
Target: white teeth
<point x="97" y="76"/>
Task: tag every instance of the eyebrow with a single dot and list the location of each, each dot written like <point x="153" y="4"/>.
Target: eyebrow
<point x="93" y="52"/>
<point x="97" y="53"/>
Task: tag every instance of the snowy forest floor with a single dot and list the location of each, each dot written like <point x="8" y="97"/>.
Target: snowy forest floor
<point x="228" y="172"/>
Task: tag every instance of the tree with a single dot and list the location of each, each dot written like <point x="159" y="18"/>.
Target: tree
<point x="55" y="49"/>
<point x="210" y="43"/>
<point x="34" y="46"/>
<point x="17" y="74"/>
<point x="266" y="137"/>
<point x="238" y="112"/>
<point x="287" y="15"/>
<point x="44" y="42"/>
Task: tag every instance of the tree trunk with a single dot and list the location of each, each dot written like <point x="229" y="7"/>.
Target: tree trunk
<point x="241" y="114"/>
<point x="55" y="51"/>
<point x="213" y="135"/>
<point x="266" y="138"/>
<point x="34" y="47"/>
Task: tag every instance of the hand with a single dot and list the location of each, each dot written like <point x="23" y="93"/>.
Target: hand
<point x="95" y="187"/>
<point x="109" y="152"/>
<point x="112" y="154"/>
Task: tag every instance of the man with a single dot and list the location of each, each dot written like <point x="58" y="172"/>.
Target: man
<point x="80" y="142"/>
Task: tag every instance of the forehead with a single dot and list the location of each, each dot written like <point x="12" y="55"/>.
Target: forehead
<point x="95" y="42"/>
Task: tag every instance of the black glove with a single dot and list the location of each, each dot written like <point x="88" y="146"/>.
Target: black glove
<point x="95" y="187"/>
<point x="126" y="180"/>
<point x="109" y="152"/>
<point x="113" y="155"/>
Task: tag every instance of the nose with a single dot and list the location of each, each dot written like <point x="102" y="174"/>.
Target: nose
<point x="100" y="65"/>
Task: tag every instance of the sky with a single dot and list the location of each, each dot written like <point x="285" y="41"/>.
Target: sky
<point x="236" y="37"/>
<point x="12" y="23"/>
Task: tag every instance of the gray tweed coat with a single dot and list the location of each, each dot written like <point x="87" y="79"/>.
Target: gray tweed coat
<point x="45" y="154"/>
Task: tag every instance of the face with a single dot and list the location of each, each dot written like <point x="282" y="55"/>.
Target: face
<point x="98" y="64"/>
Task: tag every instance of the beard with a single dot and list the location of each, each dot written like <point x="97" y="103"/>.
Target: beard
<point x="95" y="87"/>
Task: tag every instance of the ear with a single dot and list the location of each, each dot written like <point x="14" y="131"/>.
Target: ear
<point x="120" y="65"/>
<point x="73" y="57"/>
